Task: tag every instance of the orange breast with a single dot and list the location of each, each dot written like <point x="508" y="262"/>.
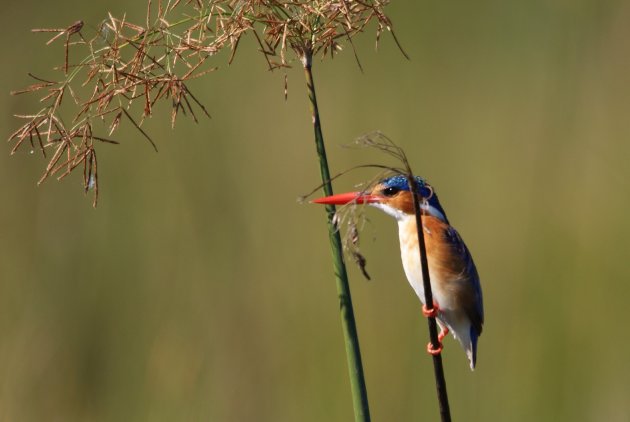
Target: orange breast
<point x="446" y="255"/>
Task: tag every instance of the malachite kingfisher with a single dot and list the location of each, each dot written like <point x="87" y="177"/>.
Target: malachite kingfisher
<point x="458" y="302"/>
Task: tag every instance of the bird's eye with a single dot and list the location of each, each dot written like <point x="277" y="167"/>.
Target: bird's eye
<point x="390" y="191"/>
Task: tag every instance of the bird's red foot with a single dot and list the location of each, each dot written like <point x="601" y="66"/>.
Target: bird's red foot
<point x="430" y="313"/>
<point x="443" y="334"/>
<point x="433" y="351"/>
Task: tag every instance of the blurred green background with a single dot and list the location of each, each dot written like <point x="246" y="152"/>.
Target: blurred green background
<point x="200" y="290"/>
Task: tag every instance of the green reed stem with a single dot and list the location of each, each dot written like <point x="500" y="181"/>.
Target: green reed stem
<point x="351" y="337"/>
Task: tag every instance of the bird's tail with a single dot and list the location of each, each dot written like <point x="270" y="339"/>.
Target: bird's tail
<point x="471" y="351"/>
<point x="467" y="336"/>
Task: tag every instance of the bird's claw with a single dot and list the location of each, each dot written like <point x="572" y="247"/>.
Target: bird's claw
<point x="433" y="351"/>
<point x="430" y="313"/>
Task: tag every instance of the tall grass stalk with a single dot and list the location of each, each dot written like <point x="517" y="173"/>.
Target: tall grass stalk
<point x="351" y="337"/>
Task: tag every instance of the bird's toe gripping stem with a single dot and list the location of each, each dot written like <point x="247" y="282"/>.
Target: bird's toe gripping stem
<point x="433" y="313"/>
<point x="430" y="313"/>
<point x="433" y="351"/>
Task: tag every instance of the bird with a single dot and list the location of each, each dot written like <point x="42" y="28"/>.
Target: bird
<point x="457" y="296"/>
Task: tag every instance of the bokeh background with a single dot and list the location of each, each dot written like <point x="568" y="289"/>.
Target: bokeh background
<point x="201" y="290"/>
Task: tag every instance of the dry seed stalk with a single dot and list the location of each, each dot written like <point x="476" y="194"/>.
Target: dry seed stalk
<point x="126" y="63"/>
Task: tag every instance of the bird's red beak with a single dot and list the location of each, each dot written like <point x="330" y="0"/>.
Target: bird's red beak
<point x="346" y="198"/>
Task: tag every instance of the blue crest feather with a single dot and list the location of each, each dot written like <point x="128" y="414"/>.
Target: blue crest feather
<point x="425" y="190"/>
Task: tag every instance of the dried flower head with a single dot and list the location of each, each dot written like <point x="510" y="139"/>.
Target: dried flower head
<point x="126" y="63"/>
<point x="350" y="218"/>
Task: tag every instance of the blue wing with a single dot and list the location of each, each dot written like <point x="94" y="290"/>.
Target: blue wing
<point x="474" y="310"/>
<point x="473" y="303"/>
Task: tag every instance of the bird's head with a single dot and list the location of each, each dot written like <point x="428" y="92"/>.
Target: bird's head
<point x="393" y="196"/>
